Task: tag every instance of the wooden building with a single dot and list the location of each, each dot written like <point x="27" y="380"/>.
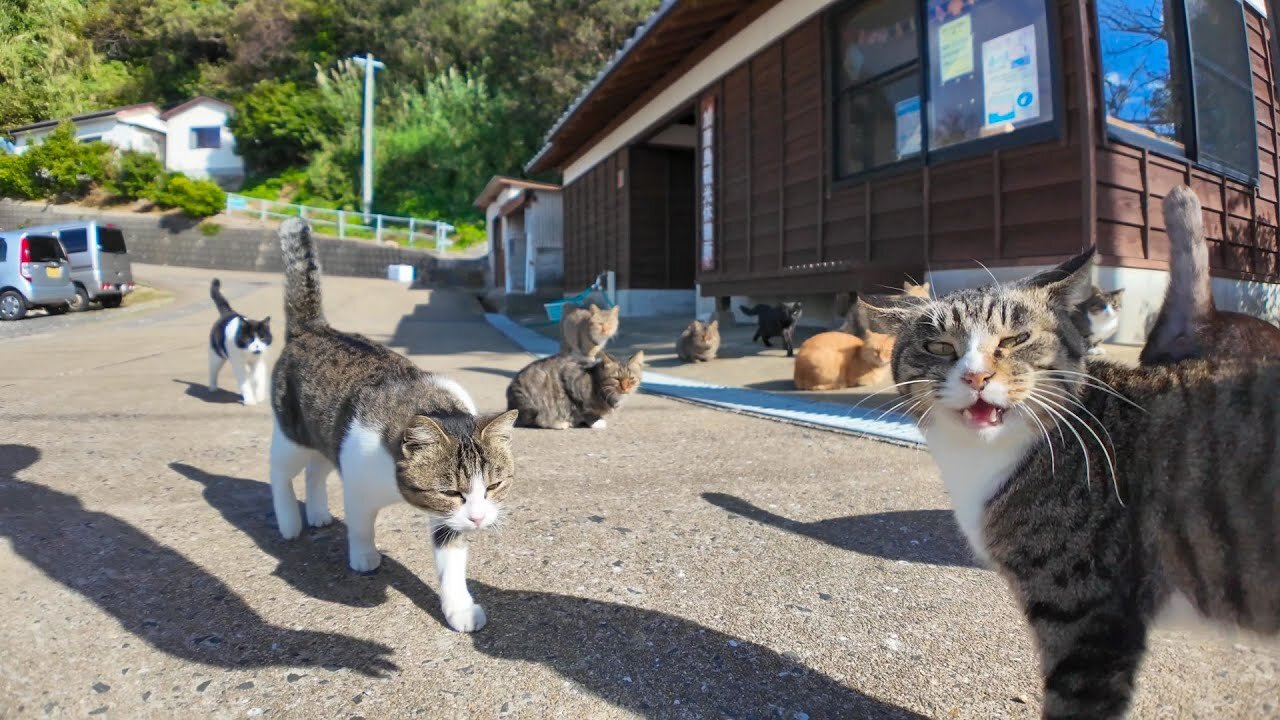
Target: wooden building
<point x="808" y="147"/>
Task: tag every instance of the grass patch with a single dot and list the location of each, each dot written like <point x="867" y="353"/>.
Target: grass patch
<point x="210" y="229"/>
<point x="143" y="294"/>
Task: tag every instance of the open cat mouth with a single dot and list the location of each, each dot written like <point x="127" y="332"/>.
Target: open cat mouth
<point x="983" y="414"/>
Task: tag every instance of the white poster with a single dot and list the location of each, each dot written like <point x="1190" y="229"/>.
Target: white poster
<point x="906" y="115"/>
<point x="1010" y="84"/>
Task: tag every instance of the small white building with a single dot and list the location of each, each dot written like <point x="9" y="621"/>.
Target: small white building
<point x="191" y="138"/>
<point x="525" y="225"/>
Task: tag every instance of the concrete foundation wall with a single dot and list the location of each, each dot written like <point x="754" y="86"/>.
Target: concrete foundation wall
<point x="177" y="240"/>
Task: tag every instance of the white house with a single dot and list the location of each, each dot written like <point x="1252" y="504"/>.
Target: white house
<point x="191" y="138"/>
<point x="525" y="225"/>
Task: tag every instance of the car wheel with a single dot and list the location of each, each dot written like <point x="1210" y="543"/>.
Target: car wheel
<point x="58" y="309"/>
<point x="81" y="303"/>
<point x="12" y="305"/>
<point x="111" y="301"/>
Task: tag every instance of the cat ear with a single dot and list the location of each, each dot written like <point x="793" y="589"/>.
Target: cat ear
<point x="891" y="318"/>
<point x="714" y="324"/>
<point x="1116" y="294"/>
<point x="613" y="312"/>
<point x="266" y="320"/>
<point x="637" y="361"/>
<point x="497" y="427"/>
<point x="1067" y="285"/>
<point x="595" y="310"/>
<point x="422" y="432"/>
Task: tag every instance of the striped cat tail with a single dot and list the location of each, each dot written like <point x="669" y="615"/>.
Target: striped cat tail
<point x="302" y="307"/>
<point x="1190" y="287"/>
<point x="220" y="302"/>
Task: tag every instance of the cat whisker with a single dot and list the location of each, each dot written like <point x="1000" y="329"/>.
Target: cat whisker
<point x="1096" y="384"/>
<point x="891" y="399"/>
<point x="1088" y="472"/>
<point x="984" y="267"/>
<point x="925" y="414"/>
<point x="1053" y="470"/>
<point x="1110" y="441"/>
<point x="908" y="399"/>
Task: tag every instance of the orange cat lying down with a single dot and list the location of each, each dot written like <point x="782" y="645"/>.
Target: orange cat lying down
<point x="835" y="360"/>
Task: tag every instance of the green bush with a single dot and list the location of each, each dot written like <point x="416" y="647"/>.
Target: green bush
<point x="58" y="168"/>
<point x="136" y="175"/>
<point x="278" y="125"/>
<point x="466" y="235"/>
<point x="197" y="198"/>
<point x="16" y="178"/>
<point x="209" y="229"/>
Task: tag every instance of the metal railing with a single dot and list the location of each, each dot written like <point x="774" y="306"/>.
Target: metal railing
<point x="348" y="223"/>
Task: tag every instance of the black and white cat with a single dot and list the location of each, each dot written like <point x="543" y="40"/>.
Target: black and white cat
<point x="243" y="343"/>
<point x="1098" y="317"/>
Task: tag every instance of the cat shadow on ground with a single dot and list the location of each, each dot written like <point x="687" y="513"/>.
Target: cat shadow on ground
<point x="920" y="536"/>
<point x="153" y="591"/>
<point x="633" y="658"/>
<point x="200" y="391"/>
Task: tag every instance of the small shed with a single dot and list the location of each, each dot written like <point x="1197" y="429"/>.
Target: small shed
<point x="524" y="221"/>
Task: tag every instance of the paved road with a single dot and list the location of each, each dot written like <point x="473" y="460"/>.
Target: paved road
<point x="682" y="563"/>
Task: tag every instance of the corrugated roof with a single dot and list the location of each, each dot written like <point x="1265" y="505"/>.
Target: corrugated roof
<point x="84" y="116"/>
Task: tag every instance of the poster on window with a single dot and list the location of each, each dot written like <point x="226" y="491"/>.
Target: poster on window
<point x="1010" y="84"/>
<point x="906" y="121"/>
<point x="955" y="48"/>
<point x="707" y="132"/>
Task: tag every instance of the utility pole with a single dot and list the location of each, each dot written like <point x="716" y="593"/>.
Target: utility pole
<point x="366" y="179"/>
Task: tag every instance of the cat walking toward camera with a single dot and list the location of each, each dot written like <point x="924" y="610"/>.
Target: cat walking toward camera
<point x="242" y="343"/>
<point x="394" y="432"/>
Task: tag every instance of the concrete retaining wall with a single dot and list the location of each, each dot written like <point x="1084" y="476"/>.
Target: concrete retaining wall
<point x="177" y="240"/>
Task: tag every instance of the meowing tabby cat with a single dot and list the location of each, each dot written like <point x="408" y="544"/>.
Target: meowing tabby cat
<point x="1098" y="317"/>
<point x="585" y="331"/>
<point x="1189" y="325"/>
<point x="774" y="321"/>
<point x="699" y="342"/>
<point x="394" y="432"/>
<point x="565" y="391"/>
<point x="1106" y="495"/>
<point x="242" y="342"/>
<point x="835" y="360"/>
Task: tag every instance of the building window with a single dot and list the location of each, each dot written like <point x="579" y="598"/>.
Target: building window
<point x="982" y="69"/>
<point x="1183" y="93"/>
<point x="206" y="138"/>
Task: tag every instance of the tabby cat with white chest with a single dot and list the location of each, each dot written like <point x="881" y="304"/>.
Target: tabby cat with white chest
<point x="394" y="432"/>
<point x="1107" y="496"/>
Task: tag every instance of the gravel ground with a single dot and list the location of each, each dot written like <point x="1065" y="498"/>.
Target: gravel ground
<point x="684" y="563"/>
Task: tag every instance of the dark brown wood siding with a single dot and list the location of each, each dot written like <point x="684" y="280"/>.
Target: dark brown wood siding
<point x="786" y="227"/>
<point x="1240" y="222"/>
<point x="596" y="227"/>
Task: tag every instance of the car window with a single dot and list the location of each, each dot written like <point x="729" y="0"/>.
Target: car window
<point x="44" y="248"/>
<point x="4" y="249"/>
<point x="110" y="240"/>
<point x="75" y="240"/>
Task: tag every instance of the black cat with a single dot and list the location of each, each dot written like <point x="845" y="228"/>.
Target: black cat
<point x="776" y="320"/>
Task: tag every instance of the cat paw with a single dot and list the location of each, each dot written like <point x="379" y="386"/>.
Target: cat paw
<point x="561" y="426"/>
<point x="290" y="527"/>
<point x="365" y="560"/>
<point x="319" y="518"/>
<point x="213" y="389"/>
<point x="248" y="401"/>
<point x="599" y="424"/>
<point x="466" y="618"/>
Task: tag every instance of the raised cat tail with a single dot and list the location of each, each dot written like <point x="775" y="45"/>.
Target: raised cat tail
<point x="747" y="310"/>
<point x="302" y="307"/>
<point x="220" y="302"/>
<point x="1190" y="288"/>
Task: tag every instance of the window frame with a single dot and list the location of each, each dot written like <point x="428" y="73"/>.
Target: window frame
<point x="1190" y="151"/>
<point x="195" y="137"/>
<point x="1041" y="132"/>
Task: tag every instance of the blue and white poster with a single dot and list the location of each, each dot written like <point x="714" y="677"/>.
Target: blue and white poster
<point x="1010" y="84"/>
<point x="906" y="114"/>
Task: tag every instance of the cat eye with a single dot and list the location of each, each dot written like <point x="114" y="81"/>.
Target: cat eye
<point x="452" y="493"/>
<point x="941" y="349"/>
<point x="1015" y="341"/>
<point x="494" y="486"/>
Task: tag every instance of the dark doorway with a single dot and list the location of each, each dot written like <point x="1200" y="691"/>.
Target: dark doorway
<point x="663" y="219"/>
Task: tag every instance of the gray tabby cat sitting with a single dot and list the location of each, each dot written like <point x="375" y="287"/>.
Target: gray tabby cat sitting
<point x="1157" y="498"/>
<point x="565" y="391"/>
<point x="699" y="342"/>
<point x="584" y="331"/>
<point x="394" y="432"/>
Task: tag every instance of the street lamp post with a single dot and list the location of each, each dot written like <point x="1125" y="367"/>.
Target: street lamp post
<point x="366" y="175"/>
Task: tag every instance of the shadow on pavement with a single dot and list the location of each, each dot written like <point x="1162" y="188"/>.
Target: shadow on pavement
<point x="633" y="658"/>
<point x="921" y="536"/>
<point x="450" y="322"/>
<point x="200" y="391"/>
<point x="152" y="590"/>
<point x="509" y="374"/>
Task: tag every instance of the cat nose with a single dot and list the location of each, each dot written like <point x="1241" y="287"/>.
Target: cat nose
<point x="476" y="520"/>
<point x="976" y="379"/>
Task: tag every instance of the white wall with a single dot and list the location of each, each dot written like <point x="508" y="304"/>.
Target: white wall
<point x="202" y="163"/>
<point x="108" y="129"/>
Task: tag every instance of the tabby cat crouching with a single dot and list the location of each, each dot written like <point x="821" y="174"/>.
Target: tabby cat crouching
<point x="1107" y="496"/>
<point x="565" y="391"/>
<point x="700" y="342"/>
<point x="394" y="432"/>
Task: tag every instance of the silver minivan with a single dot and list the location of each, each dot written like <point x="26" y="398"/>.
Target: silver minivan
<point x="34" y="273"/>
<point x="100" y="266"/>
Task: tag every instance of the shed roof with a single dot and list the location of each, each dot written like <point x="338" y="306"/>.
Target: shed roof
<point x="498" y="183"/>
<point x="670" y="34"/>
<point x="193" y="101"/>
